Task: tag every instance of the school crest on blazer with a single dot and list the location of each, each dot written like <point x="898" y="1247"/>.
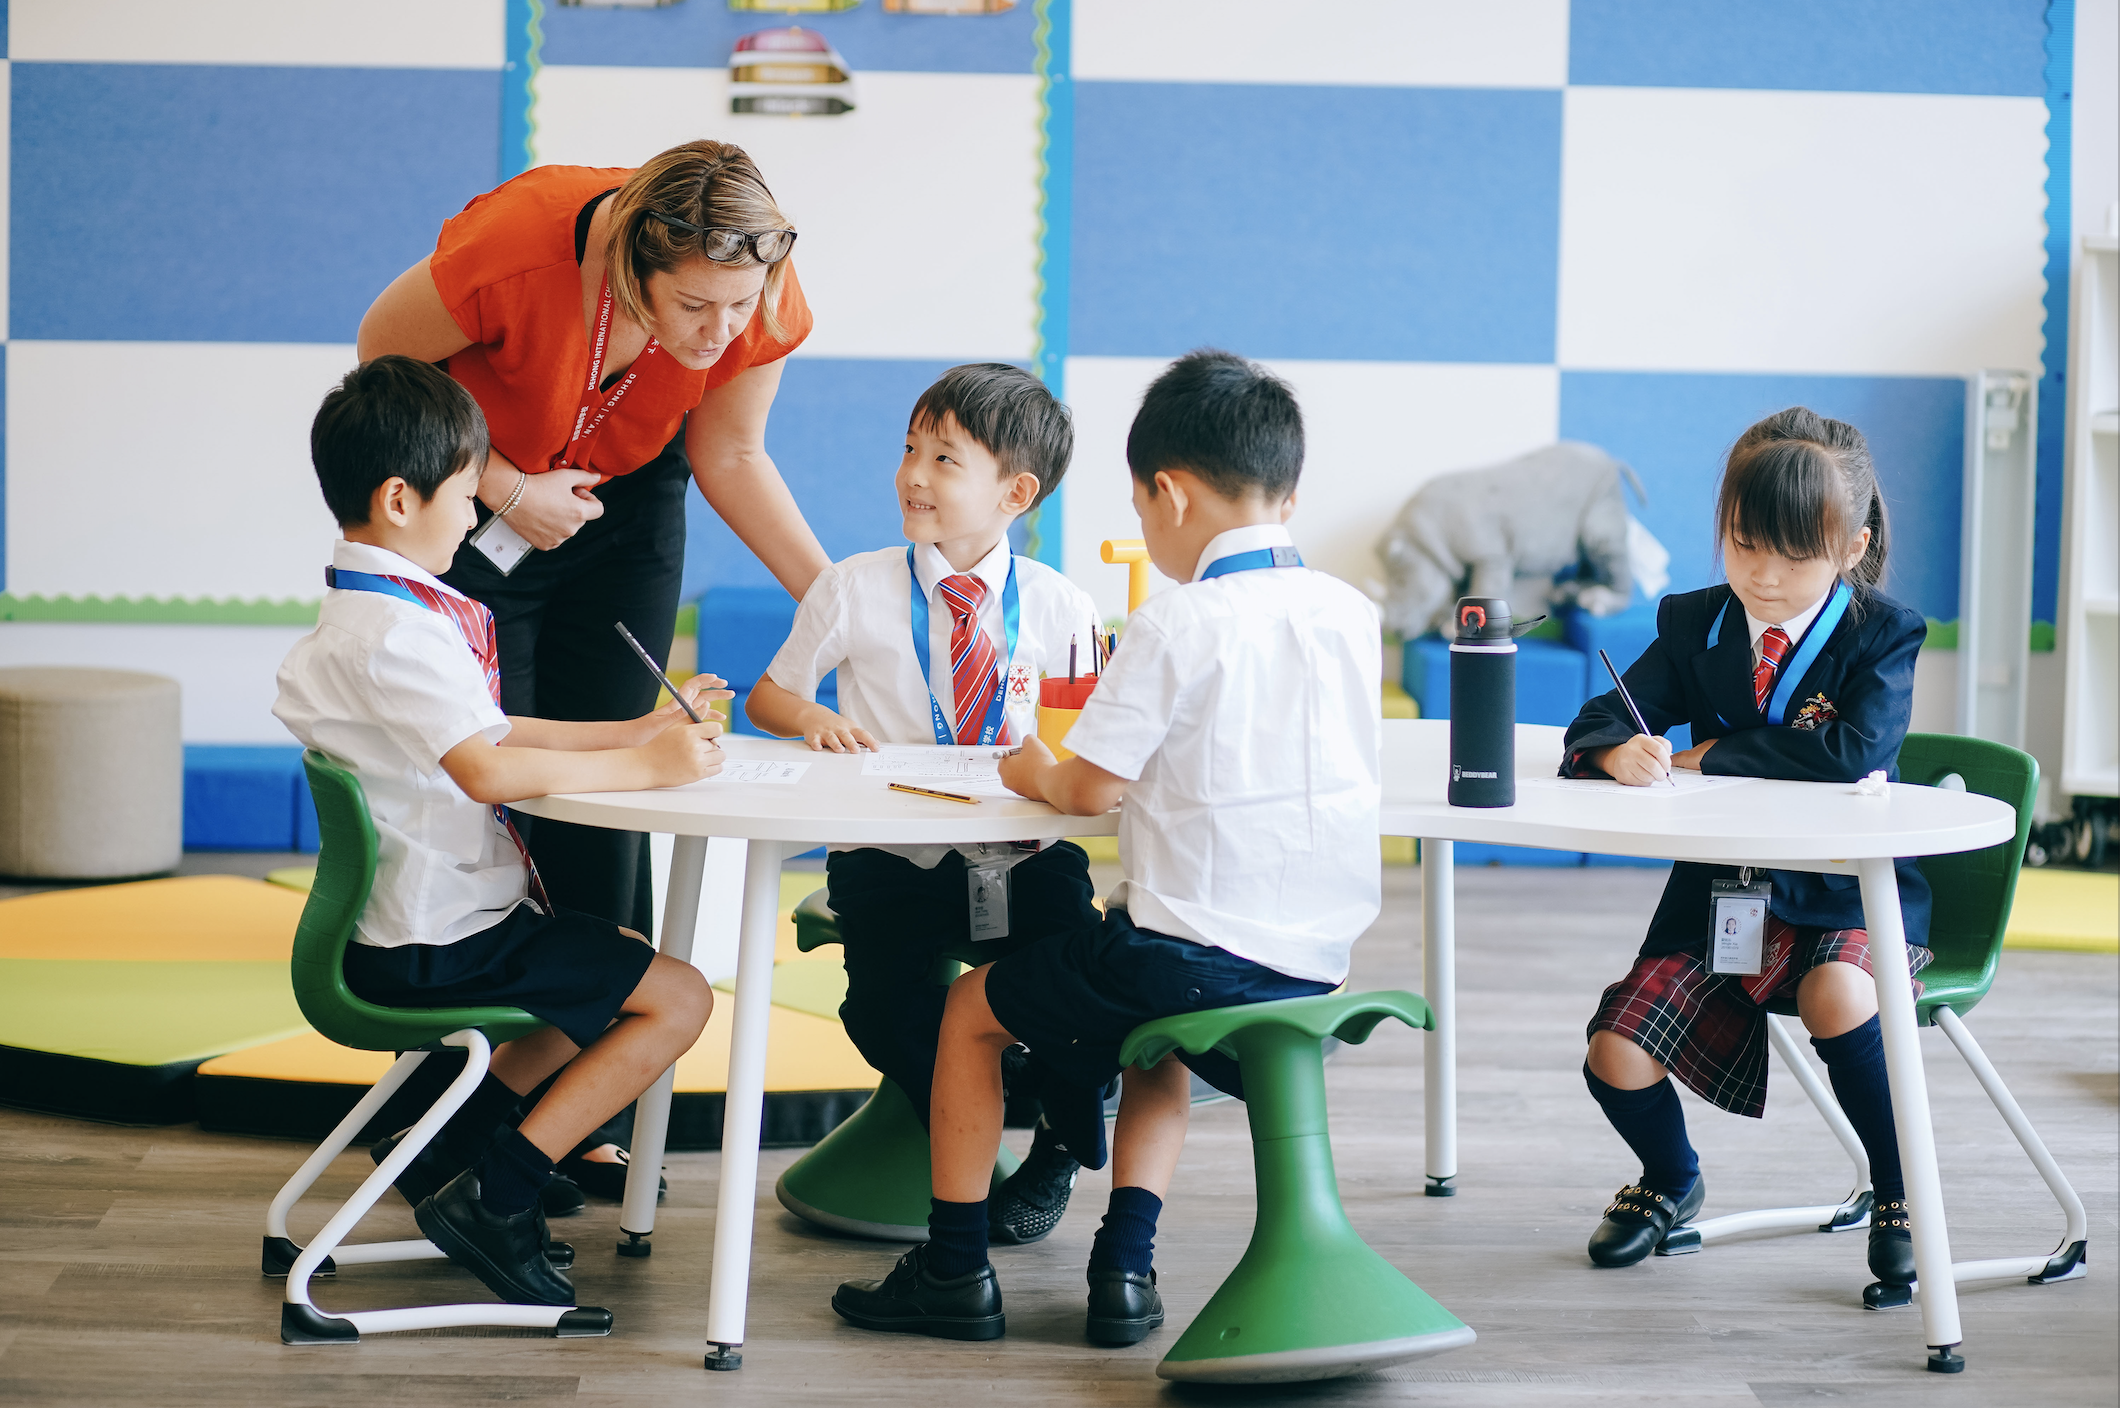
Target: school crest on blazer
<point x="1815" y="711"/>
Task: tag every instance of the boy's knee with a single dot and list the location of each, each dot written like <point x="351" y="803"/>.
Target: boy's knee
<point x="967" y="1017"/>
<point x="683" y="994"/>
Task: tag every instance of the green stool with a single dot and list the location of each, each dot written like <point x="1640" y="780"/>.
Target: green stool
<point x="1310" y="1299"/>
<point x="870" y="1177"/>
<point x="345" y="874"/>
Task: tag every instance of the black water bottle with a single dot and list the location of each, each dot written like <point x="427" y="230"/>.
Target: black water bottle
<point x="1483" y="705"/>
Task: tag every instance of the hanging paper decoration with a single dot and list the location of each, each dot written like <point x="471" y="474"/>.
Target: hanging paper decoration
<point x="947" y="7"/>
<point x="789" y="72"/>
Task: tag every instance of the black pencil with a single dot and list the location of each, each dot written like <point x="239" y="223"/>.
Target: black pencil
<point x="1640" y="725"/>
<point x="656" y="670"/>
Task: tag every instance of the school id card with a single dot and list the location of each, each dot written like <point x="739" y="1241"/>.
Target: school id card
<point x="987" y="889"/>
<point x="504" y="547"/>
<point x="1738" y="909"/>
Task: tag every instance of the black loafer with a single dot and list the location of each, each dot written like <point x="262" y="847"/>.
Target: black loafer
<point x="1638" y="1219"/>
<point x="506" y="1252"/>
<point x="561" y="1197"/>
<point x="1031" y="1201"/>
<point x="1123" y="1306"/>
<point x="1892" y="1243"/>
<point x="911" y="1300"/>
<point x="605" y="1180"/>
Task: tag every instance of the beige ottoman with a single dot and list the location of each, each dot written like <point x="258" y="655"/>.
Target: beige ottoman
<point x="91" y="773"/>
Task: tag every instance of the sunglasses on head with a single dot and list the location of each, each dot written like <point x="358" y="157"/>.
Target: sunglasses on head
<point x="726" y="246"/>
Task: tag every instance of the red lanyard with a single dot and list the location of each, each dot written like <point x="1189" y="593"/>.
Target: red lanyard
<point x="596" y="407"/>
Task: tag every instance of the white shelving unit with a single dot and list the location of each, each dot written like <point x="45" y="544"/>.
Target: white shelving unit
<point x="2090" y="518"/>
<point x="1995" y="571"/>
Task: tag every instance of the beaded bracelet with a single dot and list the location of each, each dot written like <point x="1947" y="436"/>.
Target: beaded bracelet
<point x="522" y="481"/>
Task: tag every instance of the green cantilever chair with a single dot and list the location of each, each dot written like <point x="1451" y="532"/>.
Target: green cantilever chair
<point x="870" y="1177"/>
<point x="345" y="873"/>
<point x="1310" y="1299"/>
<point x="1973" y="893"/>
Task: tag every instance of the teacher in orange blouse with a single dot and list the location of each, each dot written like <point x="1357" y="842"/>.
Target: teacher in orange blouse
<point x="622" y="331"/>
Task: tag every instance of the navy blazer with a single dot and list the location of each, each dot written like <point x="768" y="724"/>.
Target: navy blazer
<point x="1846" y="720"/>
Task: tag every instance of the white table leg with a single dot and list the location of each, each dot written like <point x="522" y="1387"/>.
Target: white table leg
<point x="651" y="1114"/>
<point x="1439" y="1043"/>
<point x="728" y="1288"/>
<point x="1910" y="1112"/>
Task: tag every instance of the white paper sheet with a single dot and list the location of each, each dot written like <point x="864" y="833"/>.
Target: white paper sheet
<point x="1689" y="784"/>
<point x="972" y="771"/>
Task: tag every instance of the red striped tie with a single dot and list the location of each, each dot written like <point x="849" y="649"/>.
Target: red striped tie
<point x="973" y="659"/>
<point x="475" y="624"/>
<point x="1773" y="648"/>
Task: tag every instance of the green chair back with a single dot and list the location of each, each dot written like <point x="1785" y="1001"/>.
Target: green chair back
<point x="1973" y="889"/>
<point x="817" y="924"/>
<point x="345" y="874"/>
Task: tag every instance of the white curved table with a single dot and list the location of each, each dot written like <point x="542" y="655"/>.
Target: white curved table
<point x="1814" y="826"/>
<point x="832" y="803"/>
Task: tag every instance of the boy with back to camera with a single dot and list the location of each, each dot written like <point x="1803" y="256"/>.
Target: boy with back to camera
<point x="1240" y="722"/>
<point x="943" y="642"/>
<point x="400" y="684"/>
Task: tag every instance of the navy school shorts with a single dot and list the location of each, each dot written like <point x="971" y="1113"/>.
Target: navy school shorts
<point x="571" y="969"/>
<point x="1074" y="997"/>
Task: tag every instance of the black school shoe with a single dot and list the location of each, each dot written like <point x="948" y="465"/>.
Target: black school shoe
<point x="1031" y="1201"/>
<point x="433" y="1167"/>
<point x="912" y="1300"/>
<point x="1638" y="1219"/>
<point x="1123" y="1306"/>
<point x="605" y="1180"/>
<point x="1892" y="1243"/>
<point x="505" y="1251"/>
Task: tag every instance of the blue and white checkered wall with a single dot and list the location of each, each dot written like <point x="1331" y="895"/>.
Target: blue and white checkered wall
<point x="1460" y="230"/>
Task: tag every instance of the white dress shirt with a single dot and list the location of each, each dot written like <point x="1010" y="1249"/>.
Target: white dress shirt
<point x="1244" y="711"/>
<point x="384" y="687"/>
<point x="1793" y="628"/>
<point x="857" y="618"/>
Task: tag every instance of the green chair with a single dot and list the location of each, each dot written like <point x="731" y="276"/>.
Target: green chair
<point x="870" y="1177"/>
<point x="345" y="873"/>
<point x="1310" y="1299"/>
<point x="1973" y="892"/>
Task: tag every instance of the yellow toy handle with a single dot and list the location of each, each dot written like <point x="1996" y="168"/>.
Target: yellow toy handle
<point x="1134" y="553"/>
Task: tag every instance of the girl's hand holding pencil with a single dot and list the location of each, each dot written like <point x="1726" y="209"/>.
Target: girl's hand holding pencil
<point x="1641" y="761"/>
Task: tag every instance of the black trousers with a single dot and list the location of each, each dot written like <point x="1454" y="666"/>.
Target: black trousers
<point x="560" y="659"/>
<point x="895" y="920"/>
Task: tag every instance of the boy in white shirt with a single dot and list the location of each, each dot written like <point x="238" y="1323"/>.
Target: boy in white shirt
<point x="1239" y="720"/>
<point x="400" y="683"/>
<point x="943" y="642"/>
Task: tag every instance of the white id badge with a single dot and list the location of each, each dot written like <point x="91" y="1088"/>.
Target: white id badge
<point x="504" y="547"/>
<point x="1739" y="911"/>
<point x="987" y="887"/>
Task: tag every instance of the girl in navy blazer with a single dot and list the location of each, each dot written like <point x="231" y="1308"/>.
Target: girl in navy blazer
<point x="1798" y="668"/>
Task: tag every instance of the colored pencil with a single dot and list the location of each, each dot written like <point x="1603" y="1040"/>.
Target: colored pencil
<point x="656" y="670"/>
<point x="930" y="792"/>
<point x="1640" y="725"/>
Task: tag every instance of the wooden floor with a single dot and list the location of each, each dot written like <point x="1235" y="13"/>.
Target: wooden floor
<point x="128" y="1257"/>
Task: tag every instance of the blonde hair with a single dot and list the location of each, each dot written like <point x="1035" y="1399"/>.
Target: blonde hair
<point x="703" y="183"/>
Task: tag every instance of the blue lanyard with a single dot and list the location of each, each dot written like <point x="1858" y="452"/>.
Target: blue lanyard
<point x="1252" y="561"/>
<point x="1794" y="668"/>
<point x="1011" y="614"/>
<point x="348" y="581"/>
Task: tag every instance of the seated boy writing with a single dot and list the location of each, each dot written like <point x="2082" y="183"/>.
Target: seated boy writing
<point x="1239" y="721"/>
<point x="943" y="642"/>
<point x="400" y="684"/>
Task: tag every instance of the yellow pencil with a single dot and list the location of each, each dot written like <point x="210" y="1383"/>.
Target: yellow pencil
<point x="938" y="796"/>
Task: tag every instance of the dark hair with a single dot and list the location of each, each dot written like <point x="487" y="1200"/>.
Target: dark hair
<point x="1230" y="421"/>
<point x="392" y="417"/>
<point x="1010" y="413"/>
<point x="1803" y="486"/>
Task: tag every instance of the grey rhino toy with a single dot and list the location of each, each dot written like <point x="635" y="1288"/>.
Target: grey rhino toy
<point x="1473" y="533"/>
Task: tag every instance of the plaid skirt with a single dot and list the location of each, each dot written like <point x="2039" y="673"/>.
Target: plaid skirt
<point x="1710" y="1029"/>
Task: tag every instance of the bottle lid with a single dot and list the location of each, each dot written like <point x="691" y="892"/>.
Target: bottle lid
<point x="1482" y="618"/>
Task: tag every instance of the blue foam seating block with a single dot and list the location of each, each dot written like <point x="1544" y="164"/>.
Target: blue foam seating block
<point x="827" y="695"/>
<point x="1549" y="679"/>
<point x="740" y="631"/>
<point x="247" y="798"/>
<point x="1624" y="637"/>
<point x="1470" y="853"/>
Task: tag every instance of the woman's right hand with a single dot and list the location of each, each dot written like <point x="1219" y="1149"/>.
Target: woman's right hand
<point x="1638" y="762"/>
<point x="554" y="505"/>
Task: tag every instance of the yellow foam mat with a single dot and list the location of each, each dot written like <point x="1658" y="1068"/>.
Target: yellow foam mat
<point x="2076" y="910"/>
<point x="192" y="918"/>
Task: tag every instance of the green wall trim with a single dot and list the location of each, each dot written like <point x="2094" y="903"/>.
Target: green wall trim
<point x="1943" y="635"/>
<point x="174" y="611"/>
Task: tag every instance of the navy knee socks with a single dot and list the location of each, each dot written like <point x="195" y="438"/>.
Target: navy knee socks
<point x="1855" y="1064"/>
<point x="956" y="1237"/>
<point x="1127" y="1240"/>
<point x="1654" y="1126"/>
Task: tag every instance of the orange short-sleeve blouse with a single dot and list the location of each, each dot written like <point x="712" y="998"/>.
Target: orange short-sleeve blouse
<point x="506" y="271"/>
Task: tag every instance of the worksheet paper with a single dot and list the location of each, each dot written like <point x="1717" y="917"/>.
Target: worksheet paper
<point x="1689" y="784"/>
<point x="762" y="770"/>
<point x="972" y="771"/>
